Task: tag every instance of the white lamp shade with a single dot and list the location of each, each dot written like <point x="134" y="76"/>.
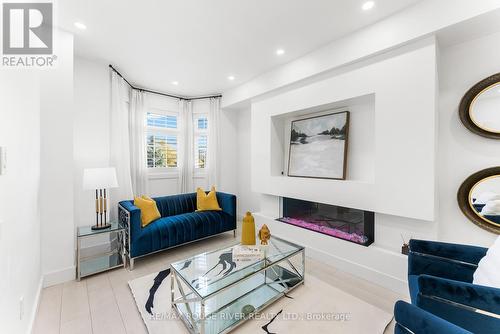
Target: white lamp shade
<point x="99" y="178"/>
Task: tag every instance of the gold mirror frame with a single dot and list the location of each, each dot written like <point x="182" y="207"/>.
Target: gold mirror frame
<point x="465" y="203"/>
<point x="467" y="103"/>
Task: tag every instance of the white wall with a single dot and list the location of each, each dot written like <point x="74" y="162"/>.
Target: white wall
<point x="36" y="194"/>
<point x="247" y="199"/>
<point x="56" y="178"/>
<point x="90" y="131"/>
<point x="460" y="152"/>
<point x="20" y="274"/>
<point x="229" y="173"/>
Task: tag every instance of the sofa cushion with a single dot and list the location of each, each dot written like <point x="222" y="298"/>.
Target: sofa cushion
<point x="175" y="230"/>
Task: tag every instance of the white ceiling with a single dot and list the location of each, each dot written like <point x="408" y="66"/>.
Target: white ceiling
<point x="199" y="43"/>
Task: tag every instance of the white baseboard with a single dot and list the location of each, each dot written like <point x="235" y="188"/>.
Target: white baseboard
<point x="374" y="264"/>
<point x="59" y="276"/>
<point x="372" y="275"/>
<point x="31" y="323"/>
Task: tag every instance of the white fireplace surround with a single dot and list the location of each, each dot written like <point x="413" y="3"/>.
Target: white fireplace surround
<point x="390" y="163"/>
<point x="401" y="140"/>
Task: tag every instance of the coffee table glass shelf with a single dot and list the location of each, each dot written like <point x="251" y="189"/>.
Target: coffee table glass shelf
<point x="92" y="257"/>
<point x="213" y="294"/>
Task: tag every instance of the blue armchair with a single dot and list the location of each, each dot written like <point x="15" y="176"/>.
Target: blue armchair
<point x="440" y="281"/>
<point x="179" y="223"/>
<point x="413" y="320"/>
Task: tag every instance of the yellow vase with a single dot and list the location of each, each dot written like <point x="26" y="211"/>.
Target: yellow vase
<point x="248" y="230"/>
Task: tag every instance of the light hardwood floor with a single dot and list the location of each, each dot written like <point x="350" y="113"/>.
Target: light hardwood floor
<point x="104" y="304"/>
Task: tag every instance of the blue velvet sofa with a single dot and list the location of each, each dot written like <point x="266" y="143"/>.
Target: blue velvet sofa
<point x="440" y="279"/>
<point x="179" y="223"/>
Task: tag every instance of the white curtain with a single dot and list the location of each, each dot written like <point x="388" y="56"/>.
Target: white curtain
<point x="138" y="150"/>
<point x="186" y="152"/>
<point x="214" y="150"/>
<point x="119" y="142"/>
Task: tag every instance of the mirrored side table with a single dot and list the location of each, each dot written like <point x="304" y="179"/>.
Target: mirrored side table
<point x="99" y="250"/>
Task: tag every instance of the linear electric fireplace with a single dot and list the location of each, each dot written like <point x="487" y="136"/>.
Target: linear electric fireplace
<point x="344" y="223"/>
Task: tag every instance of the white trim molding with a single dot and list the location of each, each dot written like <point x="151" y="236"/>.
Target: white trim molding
<point x="59" y="276"/>
<point x="38" y="295"/>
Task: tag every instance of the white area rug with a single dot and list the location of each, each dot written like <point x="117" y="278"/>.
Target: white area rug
<point x="315" y="307"/>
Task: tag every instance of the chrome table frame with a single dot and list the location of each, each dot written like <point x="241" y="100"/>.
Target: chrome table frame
<point x="120" y="250"/>
<point x="197" y="326"/>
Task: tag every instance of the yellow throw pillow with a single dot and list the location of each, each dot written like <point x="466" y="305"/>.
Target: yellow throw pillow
<point x="207" y="202"/>
<point x="147" y="198"/>
<point x="149" y="210"/>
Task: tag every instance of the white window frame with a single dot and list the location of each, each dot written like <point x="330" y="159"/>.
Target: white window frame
<point x="164" y="172"/>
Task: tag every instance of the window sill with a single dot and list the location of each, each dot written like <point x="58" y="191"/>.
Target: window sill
<point x="163" y="175"/>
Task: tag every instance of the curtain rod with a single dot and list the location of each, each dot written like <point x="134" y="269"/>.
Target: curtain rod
<point x="160" y="93"/>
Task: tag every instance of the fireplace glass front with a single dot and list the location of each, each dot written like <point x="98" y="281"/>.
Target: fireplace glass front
<point x="353" y="225"/>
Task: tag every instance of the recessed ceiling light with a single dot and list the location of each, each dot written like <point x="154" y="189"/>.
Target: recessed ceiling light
<point x="280" y="52"/>
<point x="175" y="83"/>
<point x="80" y="25"/>
<point x="230" y="78"/>
<point x="368" y="5"/>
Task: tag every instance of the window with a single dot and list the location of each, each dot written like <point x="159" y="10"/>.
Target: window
<point x="202" y="123"/>
<point x="200" y="141"/>
<point x="162" y="151"/>
<point x="161" y="138"/>
<point x="162" y="121"/>
<point x="200" y="154"/>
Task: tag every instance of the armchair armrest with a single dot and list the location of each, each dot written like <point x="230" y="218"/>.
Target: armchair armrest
<point x="473" y="307"/>
<point x="411" y="319"/>
<point x="227" y="202"/>
<point x="446" y="260"/>
<point x="475" y="296"/>
<point x="134" y="220"/>
<point x="463" y="253"/>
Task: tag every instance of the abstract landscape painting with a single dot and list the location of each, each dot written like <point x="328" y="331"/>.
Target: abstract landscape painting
<point x="318" y="146"/>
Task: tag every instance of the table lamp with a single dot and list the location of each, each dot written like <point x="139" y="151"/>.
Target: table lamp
<point x="100" y="179"/>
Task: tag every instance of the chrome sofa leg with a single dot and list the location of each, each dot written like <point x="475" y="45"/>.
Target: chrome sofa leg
<point x="131" y="264"/>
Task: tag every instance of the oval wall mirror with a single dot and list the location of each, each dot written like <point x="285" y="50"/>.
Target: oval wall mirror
<point x="480" y="108"/>
<point x="479" y="199"/>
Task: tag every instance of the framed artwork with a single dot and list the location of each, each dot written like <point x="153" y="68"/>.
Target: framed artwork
<point x="318" y="146"/>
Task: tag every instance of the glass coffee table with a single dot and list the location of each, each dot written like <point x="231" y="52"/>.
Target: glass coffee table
<point x="212" y="294"/>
